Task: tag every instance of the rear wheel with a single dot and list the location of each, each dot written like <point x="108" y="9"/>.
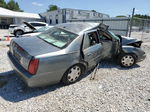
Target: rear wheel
<point x="127" y="60"/>
<point x="72" y="74"/>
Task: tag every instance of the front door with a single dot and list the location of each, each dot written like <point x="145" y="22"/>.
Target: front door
<point x="92" y="48"/>
<point x="107" y="43"/>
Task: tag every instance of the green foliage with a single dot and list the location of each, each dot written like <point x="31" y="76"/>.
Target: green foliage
<point x="11" y="5"/>
<point x="93" y="10"/>
<point x="52" y="8"/>
<point x="3" y="3"/>
<point x="121" y="16"/>
<point x="142" y="16"/>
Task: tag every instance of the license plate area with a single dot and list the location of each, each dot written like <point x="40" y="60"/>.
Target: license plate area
<point x="16" y="53"/>
<point x="17" y="56"/>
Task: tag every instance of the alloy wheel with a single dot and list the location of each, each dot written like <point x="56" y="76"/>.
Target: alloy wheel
<point x="127" y="60"/>
<point x="74" y="73"/>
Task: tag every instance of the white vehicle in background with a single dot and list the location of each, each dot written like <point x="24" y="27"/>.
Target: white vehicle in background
<point x="37" y="32"/>
<point x="26" y="27"/>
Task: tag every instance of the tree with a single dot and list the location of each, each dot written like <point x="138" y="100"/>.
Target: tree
<point x="52" y="8"/>
<point x="12" y="5"/>
<point x="18" y="8"/>
<point x="3" y="4"/>
<point x="121" y="16"/>
<point x="93" y="10"/>
<point x="142" y="16"/>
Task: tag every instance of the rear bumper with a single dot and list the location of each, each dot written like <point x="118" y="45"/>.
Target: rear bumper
<point x="37" y="80"/>
<point x="24" y="74"/>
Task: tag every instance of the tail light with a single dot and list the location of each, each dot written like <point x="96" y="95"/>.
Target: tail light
<point x="33" y="66"/>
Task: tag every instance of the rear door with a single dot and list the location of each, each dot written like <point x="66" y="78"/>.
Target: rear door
<point x="92" y="48"/>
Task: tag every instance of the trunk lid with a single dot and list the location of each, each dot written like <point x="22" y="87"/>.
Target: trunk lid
<point x="35" y="46"/>
<point x="26" y="48"/>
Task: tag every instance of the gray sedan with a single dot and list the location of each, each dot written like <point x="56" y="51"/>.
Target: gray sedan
<point x="66" y="51"/>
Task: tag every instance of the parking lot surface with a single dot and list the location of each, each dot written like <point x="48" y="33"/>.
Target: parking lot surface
<point x="114" y="89"/>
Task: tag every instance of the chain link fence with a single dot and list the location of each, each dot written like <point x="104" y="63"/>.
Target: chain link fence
<point x="141" y="29"/>
<point x="141" y="25"/>
<point x="117" y="25"/>
<point x="122" y="26"/>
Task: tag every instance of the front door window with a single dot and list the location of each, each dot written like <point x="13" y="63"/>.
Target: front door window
<point x="92" y="48"/>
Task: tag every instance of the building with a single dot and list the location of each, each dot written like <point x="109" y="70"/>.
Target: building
<point x="8" y="17"/>
<point x="62" y="15"/>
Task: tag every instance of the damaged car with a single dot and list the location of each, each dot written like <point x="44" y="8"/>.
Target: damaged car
<point x="66" y="51"/>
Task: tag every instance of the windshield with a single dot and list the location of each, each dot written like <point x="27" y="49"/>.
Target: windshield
<point x="116" y="37"/>
<point x="57" y="37"/>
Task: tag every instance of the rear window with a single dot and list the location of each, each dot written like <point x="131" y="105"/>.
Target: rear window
<point x="58" y="37"/>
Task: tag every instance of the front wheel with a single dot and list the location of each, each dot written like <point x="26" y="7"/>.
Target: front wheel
<point x="127" y="60"/>
<point x="18" y="33"/>
<point x="72" y="74"/>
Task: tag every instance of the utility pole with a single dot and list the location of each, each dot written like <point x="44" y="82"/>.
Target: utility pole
<point x="131" y="22"/>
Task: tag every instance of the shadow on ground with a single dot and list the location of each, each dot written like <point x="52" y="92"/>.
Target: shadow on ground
<point x="9" y="36"/>
<point x="111" y="63"/>
<point x="13" y="89"/>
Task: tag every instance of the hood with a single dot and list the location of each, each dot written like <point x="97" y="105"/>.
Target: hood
<point x="35" y="46"/>
<point x="103" y="26"/>
<point x="129" y="40"/>
<point x="29" y="25"/>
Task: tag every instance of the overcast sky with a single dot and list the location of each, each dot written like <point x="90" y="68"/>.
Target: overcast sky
<point x="111" y="7"/>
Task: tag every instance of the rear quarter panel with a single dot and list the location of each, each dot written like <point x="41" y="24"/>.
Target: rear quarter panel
<point x="53" y="65"/>
<point x="53" y="68"/>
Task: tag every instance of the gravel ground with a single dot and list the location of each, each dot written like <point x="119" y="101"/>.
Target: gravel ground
<point x="114" y="90"/>
<point x="4" y="33"/>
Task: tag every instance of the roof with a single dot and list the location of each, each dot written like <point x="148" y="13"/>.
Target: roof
<point x="77" y="27"/>
<point x="8" y="13"/>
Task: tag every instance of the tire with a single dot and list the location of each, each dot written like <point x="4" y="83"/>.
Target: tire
<point x="73" y="74"/>
<point x="18" y="33"/>
<point x="126" y="60"/>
